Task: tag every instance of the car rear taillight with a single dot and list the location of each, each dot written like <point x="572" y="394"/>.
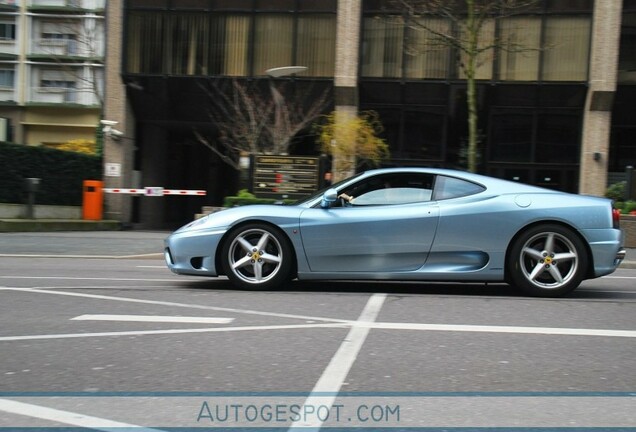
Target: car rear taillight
<point x="616" y="218"/>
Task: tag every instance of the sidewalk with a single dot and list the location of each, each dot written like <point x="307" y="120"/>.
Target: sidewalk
<point x="85" y="244"/>
<point x="48" y="225"/>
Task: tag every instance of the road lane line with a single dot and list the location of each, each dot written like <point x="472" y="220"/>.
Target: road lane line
<point x="102" y="278"/>
<point x="172" y="304"/>
<point x="169" y="331"/>
<point x="156" y="255"/>
<point x="66" y="417"/>
<point x="338" y="368"/>
<point x="501" y="329"/>
<point x="153" y="318"/>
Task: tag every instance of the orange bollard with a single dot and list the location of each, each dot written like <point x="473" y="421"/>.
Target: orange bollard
<point x="92" y="200"/>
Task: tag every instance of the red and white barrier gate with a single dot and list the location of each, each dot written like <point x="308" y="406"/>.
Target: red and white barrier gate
<point x="155" y="191"/>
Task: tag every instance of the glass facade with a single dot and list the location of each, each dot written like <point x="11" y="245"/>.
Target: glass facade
<point x="531" y="88"/>
<point x="623" y="138"/>
<point x="532" y="74"/>
<point x="239" y="38"/>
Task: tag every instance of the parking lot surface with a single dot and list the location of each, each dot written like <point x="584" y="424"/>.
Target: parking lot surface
<point x="101" y="342"/>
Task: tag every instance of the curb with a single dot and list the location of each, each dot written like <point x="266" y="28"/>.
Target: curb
<point x="153" y="256"/>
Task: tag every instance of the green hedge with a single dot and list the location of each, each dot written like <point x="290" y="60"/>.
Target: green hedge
<point x="62" y="174"/>
<point x="244" y="197"/>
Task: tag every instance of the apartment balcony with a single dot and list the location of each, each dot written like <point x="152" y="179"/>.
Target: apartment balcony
<point x="61" y="95"/>
<point x="7" y="94"/>
<point x="67" y="5"/>
<point x="8" y="49"/>
<point x="66" y="48"/>
<point x="10" y="5"/>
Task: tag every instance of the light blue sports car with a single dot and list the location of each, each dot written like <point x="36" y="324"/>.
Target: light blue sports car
<point x="409" y="224"/>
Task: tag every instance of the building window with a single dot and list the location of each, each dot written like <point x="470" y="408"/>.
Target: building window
<point x="423" y="135"/>
<point x="7" y="31"/>
<point x="145" y="42"/>
<point x="185" y="47"/>
<point x="316" y="44"/>
<point x="7" y="78"/>
<point x="529" y="136"/>
<point x="566" y="48"/>
<point x="272" y="42"/>
<point x="232" y="44"/>
<point x="511" y="137"/>
<point x="59" y="82"/>
<point x="557" y="45"/>
<point x="519" y="60"/>
<point x="558" y="137"/>
<point x="423" y="57"/>
<point x="382" y="47"/>
<point x="627" y="54"/>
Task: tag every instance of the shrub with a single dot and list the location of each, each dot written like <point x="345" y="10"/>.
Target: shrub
<point x="629" y="207"/>
<point x="616" y="191"/>
<point x="62" y="173"/>
<point x="83" y="146"/>
<point x="245" y="197"/>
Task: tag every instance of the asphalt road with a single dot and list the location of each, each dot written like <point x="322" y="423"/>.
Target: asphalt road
<point x="103" y="343"/>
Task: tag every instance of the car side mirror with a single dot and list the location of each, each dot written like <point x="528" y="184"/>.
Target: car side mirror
<point x="330" y="196"/>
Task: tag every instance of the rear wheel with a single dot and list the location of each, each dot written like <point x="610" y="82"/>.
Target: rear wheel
<point x="256" y="256"/>
<point x="548" y="261"/>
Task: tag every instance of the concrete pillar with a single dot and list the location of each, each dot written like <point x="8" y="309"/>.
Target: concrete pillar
<point x="118" y="151"/>
<point x="602" y="88"/>
<point x="346" y="68"/>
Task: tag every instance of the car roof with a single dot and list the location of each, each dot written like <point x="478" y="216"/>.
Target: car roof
<point x="492" y="184"/>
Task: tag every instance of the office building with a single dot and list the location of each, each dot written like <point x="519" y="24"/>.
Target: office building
<point x="558" y="114"/>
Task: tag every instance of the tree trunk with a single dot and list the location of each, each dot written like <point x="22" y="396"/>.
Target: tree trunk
<point x="471" y="93"/>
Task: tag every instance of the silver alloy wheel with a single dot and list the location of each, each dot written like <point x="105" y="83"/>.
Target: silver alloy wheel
<point x="255" y="256"/>
<point x="549" y="260"/>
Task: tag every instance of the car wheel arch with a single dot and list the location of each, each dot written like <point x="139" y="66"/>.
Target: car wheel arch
<point x="224" y="239"/>
<point x="589" y="271"/>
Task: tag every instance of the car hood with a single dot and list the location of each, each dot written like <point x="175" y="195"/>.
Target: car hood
<point x="278" y="214"/>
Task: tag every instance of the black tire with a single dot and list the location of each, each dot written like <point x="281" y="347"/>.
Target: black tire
<point x="547" y="260"/>
<point x="256" y="256"/>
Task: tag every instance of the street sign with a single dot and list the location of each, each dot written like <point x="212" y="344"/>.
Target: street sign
<point x="285" y="176"/>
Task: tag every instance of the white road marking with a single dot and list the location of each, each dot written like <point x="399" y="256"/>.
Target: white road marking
<point x="153" y="318"/>
<point x="99" y="278"/>
<point x="169" y="331"/>
<point x="336" y="371"/>
<point x="172" y="304"/>
<point x="619" y="277"/>
<point x="156" y="255"/>
<point x="66" y="417"/>
<point x="502" y="329"/>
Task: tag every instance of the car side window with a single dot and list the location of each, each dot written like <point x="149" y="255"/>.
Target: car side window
<point x="451" y="187"/>
<point x="393" y="189"/>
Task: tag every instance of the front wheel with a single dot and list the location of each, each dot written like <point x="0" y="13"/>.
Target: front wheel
<point x="547" y="261"/>
<point x="256" y="256"/>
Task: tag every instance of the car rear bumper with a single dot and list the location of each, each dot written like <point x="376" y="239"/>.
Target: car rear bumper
<point x="607" y="250"/>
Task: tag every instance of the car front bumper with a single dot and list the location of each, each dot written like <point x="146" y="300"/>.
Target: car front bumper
<point x="193" y="252"/>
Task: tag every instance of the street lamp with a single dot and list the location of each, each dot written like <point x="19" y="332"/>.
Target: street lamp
<point x="285" y="71"/>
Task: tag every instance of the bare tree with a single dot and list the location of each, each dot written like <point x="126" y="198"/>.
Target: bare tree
<point x="469" y="31"/>
<point x="253" y="119"/>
